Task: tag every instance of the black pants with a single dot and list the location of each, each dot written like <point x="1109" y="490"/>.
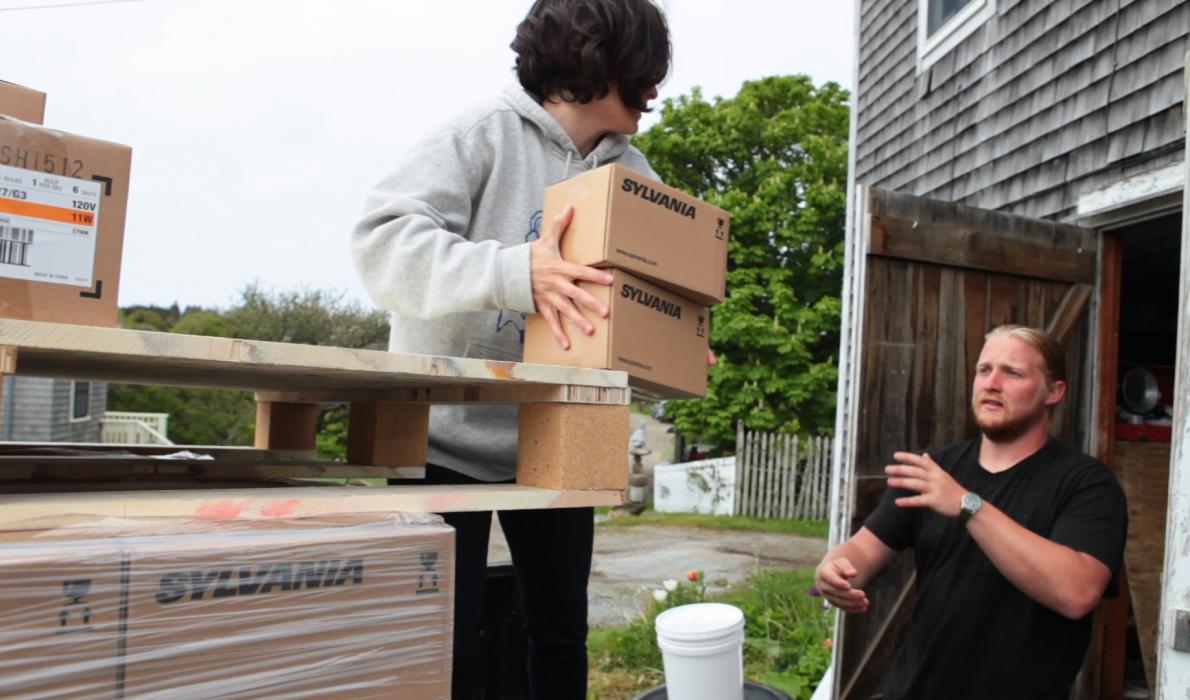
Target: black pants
<point x="551" y="554"/>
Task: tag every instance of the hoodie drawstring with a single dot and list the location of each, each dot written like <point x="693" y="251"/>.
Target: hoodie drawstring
<point x="566" y="166"/>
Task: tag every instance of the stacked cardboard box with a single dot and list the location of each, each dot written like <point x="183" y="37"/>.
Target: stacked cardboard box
<point x="342" y="609"/>
<point x="668" y="255"/>
<point x="62" y="203"/>
<point x="21" y="102"/>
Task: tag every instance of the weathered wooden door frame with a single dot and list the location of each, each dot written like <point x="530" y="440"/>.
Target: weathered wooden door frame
<point x="1173" y="667"/>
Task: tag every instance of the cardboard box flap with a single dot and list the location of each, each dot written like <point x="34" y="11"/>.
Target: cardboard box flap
<point x="21" y="102"/>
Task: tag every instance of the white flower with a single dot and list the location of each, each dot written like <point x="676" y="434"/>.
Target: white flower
<point x="670" y="584"/>
<point x="659" y="595"/>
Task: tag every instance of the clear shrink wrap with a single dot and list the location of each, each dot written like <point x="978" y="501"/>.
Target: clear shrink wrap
<point x="349" y="607"/>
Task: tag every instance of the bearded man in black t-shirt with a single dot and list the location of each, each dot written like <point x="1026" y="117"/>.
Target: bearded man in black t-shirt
<point x="1015" y="537"/>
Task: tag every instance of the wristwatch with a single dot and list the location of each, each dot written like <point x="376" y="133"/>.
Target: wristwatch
<point x="969" y="505"/>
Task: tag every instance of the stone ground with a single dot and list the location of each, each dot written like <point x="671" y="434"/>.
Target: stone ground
<point x="629" y="562"/>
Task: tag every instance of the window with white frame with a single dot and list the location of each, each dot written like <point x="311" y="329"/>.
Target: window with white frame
<point x="943" y="24"/>
<point x="80" y="401"/>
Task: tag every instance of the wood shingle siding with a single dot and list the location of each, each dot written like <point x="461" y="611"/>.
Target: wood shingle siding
<point x="41" y="411"/>
<point x="1045" y="101"/>
<point x="33" y="408"/>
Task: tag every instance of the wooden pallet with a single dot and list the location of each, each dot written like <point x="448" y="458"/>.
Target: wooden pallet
<point x="573" y="421"/>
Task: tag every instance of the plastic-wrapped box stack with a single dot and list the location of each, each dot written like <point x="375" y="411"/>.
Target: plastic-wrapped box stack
<point x="345" y="608"/>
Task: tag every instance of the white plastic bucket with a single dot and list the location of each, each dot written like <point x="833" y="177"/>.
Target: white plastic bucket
<point x="702" y="646"/>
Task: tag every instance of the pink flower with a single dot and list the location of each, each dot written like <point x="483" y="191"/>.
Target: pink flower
<point x="693" y="575"/>
<point x="827" y="643"/>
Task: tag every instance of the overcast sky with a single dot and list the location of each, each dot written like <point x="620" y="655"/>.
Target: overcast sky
<point x="257" y="126"/>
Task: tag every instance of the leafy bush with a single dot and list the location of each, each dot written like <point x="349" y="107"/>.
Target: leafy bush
<point x="787" y="635"/>
<point x="788" y="630"/>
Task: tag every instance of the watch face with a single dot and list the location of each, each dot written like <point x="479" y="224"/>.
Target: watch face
<point x="970" y="502"/>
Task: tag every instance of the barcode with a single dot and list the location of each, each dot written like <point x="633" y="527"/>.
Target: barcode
<point x="14" y="245"/>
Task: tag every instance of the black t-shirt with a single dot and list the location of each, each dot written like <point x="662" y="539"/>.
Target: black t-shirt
<point x="974" y="634"/>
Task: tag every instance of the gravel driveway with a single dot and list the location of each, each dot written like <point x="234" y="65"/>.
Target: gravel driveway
<point x="629" y="559"/>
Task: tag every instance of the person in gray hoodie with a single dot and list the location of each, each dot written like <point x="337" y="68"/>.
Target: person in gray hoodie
<point x="453" y="245"/>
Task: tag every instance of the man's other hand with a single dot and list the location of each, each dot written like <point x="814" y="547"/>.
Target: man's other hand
<point x="936" y="489"/>
<point x="833" y="578"/>
<point x="555" y="292"/>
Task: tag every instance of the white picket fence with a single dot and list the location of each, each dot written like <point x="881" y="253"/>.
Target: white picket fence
<point x="781" y="476"/>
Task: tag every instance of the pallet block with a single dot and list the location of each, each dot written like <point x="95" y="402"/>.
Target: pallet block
<point x="286" y="426"/>
<point x="389" y="434"/>
<point x="573" y="446"/>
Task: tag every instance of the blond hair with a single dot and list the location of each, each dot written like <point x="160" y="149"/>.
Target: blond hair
<point x="1053" y="361"/>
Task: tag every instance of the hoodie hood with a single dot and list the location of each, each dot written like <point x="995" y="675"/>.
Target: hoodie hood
<point x="609" y="148"/>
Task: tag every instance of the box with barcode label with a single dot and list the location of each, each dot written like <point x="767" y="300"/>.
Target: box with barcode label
<point x="62" y="203"/>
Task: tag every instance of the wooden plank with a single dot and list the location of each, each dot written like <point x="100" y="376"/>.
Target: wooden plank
<point x="753" y="472"/>
<point x="486" y="393"/>
<point x="1143" y="469"/>
<point x="738" y="504"/>
<point x="74" y="469"/>
<point x="286" y="426"/>
<point x="25" y="510"/>
<point x="91" y="461"/>
<point x="805" y="492"/>
<point x="1073" y="303"/>
<point x="8" y="359"/>
<point x="824" y="471"/>
<point x="824" y="466"/>
<point x="770" y="473"/>
<point x="959" y="246"/>
<point x="930" y="333"/>
<point x="573" y="446"/>
<point x="139" y="357"/>
<point x="802" y="477"/>
<point x="1107" y="351"/>
<point x="790" y="476"/>
<point x="1109" y="650"/>
<point x="380" y="433"/>
<point x="950" y="378"/>
<point x="224" y="453"/>
<point x="897" y="619"/>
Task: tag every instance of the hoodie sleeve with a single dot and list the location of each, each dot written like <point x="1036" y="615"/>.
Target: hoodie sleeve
<point x="412" y="248"/>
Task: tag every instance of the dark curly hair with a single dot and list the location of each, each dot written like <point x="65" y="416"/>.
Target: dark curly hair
<point x="578" y="50"/>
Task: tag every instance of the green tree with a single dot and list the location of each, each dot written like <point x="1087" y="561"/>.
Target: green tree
<point x="225" y="417"/>
<point x="775" y="157"/>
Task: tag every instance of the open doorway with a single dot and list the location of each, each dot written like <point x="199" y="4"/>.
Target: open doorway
<point x="1149" y="288"/>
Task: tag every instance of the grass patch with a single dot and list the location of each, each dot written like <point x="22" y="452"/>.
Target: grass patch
<point x="787" y="637"/>
<point x="803" y="528"/>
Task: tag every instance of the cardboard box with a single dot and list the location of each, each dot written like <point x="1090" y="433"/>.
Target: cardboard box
<point x="21" y="102"/>
<point x="656" y="336"/>
<point x="244" y="610"/>
<point x="62" y="204"/>
<point x="59" y="618"/>
<point x="625" y="220"/>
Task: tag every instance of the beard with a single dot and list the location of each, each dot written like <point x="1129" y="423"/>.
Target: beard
<point x="1007" y="429"/>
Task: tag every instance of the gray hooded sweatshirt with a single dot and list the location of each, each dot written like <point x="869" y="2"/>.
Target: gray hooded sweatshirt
<point x="444" y="247"/>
